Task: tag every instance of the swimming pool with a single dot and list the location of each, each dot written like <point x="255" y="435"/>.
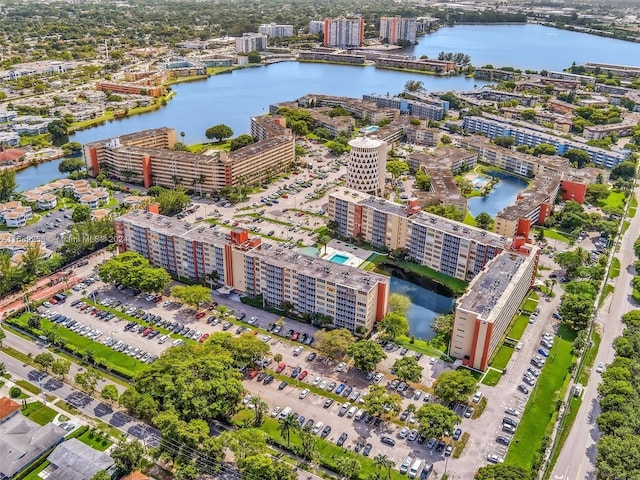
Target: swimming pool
<point x="370" y="129"/>
<point x="339" y="258"/>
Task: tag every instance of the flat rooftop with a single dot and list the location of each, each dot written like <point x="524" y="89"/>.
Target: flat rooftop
<point x="490" y="285"/>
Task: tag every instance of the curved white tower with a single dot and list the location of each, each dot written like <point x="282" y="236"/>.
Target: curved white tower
<point x="367" y="164"/>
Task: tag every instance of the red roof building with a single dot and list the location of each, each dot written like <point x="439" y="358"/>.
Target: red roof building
<point x="10" y="155"/>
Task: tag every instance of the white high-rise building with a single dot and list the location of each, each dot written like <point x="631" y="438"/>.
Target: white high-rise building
<point x="274" y="30"/>
<point x="343" y="32"/>
<point x="316" y="26"/>
<point x="251" y="42"/>
<point x="367" y="165"/>
<point x="397" y="30"/>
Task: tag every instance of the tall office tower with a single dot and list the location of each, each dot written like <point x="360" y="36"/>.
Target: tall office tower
<point x="343" y="32"/>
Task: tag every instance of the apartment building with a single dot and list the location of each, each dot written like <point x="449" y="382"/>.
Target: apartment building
<point x="362" y="109"/>
<point x="429" y="108"/>
<point x="367" y="165"/>
<point x="274" y="30"/>
<point x="251" y="42"/>
<point x="352" y="298"/>
<point x="449" y="247"/>
<point x="493" y="297"/>
<point x="147" y="158"/>
<point x="334" y="57"/>
<point x="130" y="88"/>
<point x="316" y="26"/>
<point x="627" y="71"/>
<point x="343" y="32"/>
<point x="583" y="79"/>
<point x="622" y="129"/>
<point x="498" y="127"/>
<point x="398" y="30"/>
<point x="426" y="65"/>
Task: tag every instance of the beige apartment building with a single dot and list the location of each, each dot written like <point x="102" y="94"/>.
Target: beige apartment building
<point x="147" y="158"/>
<point x="352" y="298"/>
<point x="484" y="312"/>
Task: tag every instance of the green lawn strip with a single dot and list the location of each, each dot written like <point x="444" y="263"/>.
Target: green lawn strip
<point x="39" y="413"/>
<point x="469" y="219"/>
<point x="541" y="408"/>
<point x="633" y="206"/>
<point x="34" y="474"/>
<point x="589" y="358"/>
<point x="614" y="199"/>
<point x="456" y="285"/>
<point x="95" y="439"/>
<point x="518" y="327"/>
<point x="492" y="377"/>
<point x="625" y="225"/>
<point x="567" y="423"/>
<point x="479" y="408"/>
<point x="18" y="355"/>
<point x="112" y="360"/>
<point x="606" y="291"/>
<point x="418" y="345"/>
<point x="615" y="268"/>
<point x="329" y="452"/>
<point x="529" y="305"/>
<point x="67" y="407"/>
<point x="556" y="235"/>
<point x="102" y="373"/>
<point x="29" y="387"/>
<point x="458" y="446"/>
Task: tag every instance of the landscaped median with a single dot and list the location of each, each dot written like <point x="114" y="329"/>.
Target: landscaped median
<point x="535" y="428"/>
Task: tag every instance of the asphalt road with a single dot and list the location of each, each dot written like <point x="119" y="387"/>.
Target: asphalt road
<point x="577" y="459"/>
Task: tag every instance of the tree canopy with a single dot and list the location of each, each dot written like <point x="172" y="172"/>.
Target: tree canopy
<point x="219" y="132"/>
<point x="366" y="354"/>
<point x="81" y="213"/>
<point x="134" y="271"/>
<point x="173" y="201"/>
<point x="70" y="165"/>
<point x="192" y="295"/>
<point x="435" y="419"/>
<point x="502" y="471"/>
<point x="334" y="343"/>
<point x="408" y="369"/>
<point x="394" y="324"/>
<point x="455" y="385"/>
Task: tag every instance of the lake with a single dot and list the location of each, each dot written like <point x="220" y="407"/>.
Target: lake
<point x="503" y="194"/>
<point x="32" y="177"/>
<point x="426" y="305"/>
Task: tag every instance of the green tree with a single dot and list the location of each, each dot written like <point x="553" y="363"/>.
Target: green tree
<point x="44" y="360"/>
<point x="70" y="165"/>
<point x="576" y="310"/>
<point x="413" y="86"/>
<point x="87" y="380"/>
<point x="219" y="132"/>
<point x="502" y="472"/>
<point x="625" y="170"/>
<point x="506" y="142"/>
<point x="101" y="475"/>
<point x="192" y="295"/>
<point x="394" y="325"/>
<point x="408" y="369"/>
<point x="544" y="149"/>
<point x="334" y="343"/>
<point x="60" y="367"/>
<point x="322" y="241"/>
<point x="448" y="211"/>
<point x="577" y="157"/>
<point x="435" y="419"/>
<point x="348" y="466"/>
<point x="597" y="192"/>
<point x="397" y="168"/>
<point x="245" y="349"/>
<point x="528" y="114"/>
<point x="127" y="456"/>
<point x="443" y="324"/>
<point x="399" y="303"/>
<point x="379" y="402"/>
<point x="571" y="261"/>
<point x="483" y="220"/>
<point x="288" y="425"/>
<point x="134" y="271"/>
<point x="455" y="385"/>
<point x="173" y="201"/>
<point x="8" y="184"/>
<point x="2" y="337"/>
<point x="245" y="442"/>
<point x="58" y="132"/>
<point x="186" y="471"/>
<point x="110" y="393"/>
<point x="384" y="463"/>
<point x="241" y="141"/>
<point x="366" y="354"/>
<point x="81" y="213"/>
<point x="265" y="467"/>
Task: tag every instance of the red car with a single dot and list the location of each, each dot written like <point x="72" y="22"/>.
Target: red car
<point x="146" y="331"/>
<point x="302" y="375"/>
<point x="281" y="367"/>
<point x="203" y="338"/>
<point x="94" y="311"/>
<point x="200" y="314"/>
<point x="54" y="301"/>
<point x="158" y="298"/>
<point x="295" y="336"/>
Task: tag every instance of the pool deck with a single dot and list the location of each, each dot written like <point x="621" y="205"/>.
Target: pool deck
<point x="355" y="256"/>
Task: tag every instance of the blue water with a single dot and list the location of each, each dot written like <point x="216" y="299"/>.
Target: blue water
<point x="502" y="195"/>
<point x="337" y="258"/>
<point x="370" y="129"/>
<point x="35" y="176"/>
<point x="425" y="306"/>
<point x="526" y="46"/>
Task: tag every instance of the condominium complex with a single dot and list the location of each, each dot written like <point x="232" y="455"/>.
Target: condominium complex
<point x="493" y="297"/>
<point x="449" y="247"/>
<point x="499" y="127"/>
<point x="367" y="165"/>
<point x="273" y="30"/>
<point x="251" y="42"/>
<point x="147" y="158"/>
<point x="398" y="30"/>
<point x="429" y="108"/>
<point x="343" y="32"/>
<point x="316" y="26"/>
<point x="352" y="298"/>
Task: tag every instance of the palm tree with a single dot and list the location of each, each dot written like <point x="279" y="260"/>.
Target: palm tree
<point x="287" y="425"/>
<point x="32" y="259"/>
<point x="260" y="409"/>
<point x="200" y="180"/>
<point x="213" y="277"/>
<point x="384" y="463"/>
<point x="323" y="240"/>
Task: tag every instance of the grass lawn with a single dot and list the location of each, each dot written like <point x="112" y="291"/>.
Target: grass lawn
<point x="615" y="199"/>
<point x="491" y="378"/>
<point x="567" y="423"/>
<point x="608" y="289"/>
<point x="95" y="439"/>
<point x="33" y="475"/>
<point x="39" y="413"/>
<point x="537" y="419"/>
<point x="373" y="261"/>
<point x="329" y="452"/>
<point x="555" y="235"/>
<point x="626" y="224"/>
<point x="633" y="206"/>
<point x="501" y="360"/>
<point x="615" y="268"/>
<point x="518" y="327"/>
<point x="29" y="387"/>
<point x="589" y="358"/>
<point x="469" y="220"/>
<point x="418" y="345"/>
<point x="458" y="287"/>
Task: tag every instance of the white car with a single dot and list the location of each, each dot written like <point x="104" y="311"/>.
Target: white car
<point x="304" y="393"/>
<point x="494" y="458"/>
<point x="247" y="398"/>
<point x="404" y="431"/>
<point x="275" y="412"/>
<point x="512" y="411"/>
<point x="341" y="367"/>
<point x="323" y="384"/>
<point x="600" y="367"/>
<point x="316" y="381"/>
